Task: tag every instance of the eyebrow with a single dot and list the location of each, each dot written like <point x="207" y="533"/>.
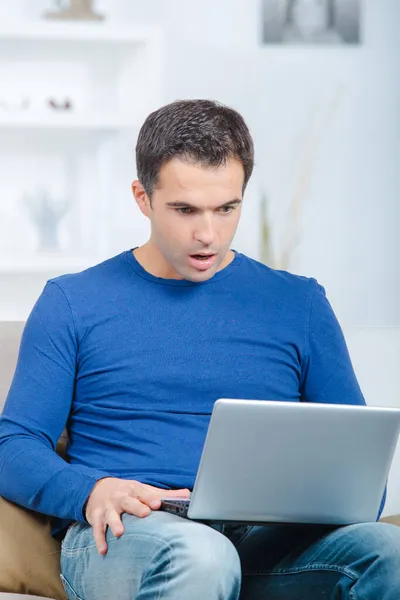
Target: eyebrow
<point x="233" y="202"/>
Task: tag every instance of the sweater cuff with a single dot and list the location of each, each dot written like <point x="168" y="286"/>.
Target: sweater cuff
<point x="82" y="480"/>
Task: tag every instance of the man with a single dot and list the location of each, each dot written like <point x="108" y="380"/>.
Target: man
<point x="132" y="354"/>
<point x="311" y="21"/>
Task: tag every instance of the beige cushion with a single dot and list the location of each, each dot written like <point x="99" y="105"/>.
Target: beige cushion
<point x="29" y="555"/>
<point x="394" y="519"/>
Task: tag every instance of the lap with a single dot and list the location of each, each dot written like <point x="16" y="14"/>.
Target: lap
<point x="275" y="561"/>
<point x="161" y="538"/>
<point x="159" y="528"/>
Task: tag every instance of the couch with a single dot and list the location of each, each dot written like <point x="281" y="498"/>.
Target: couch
<point x="29" y="555"/>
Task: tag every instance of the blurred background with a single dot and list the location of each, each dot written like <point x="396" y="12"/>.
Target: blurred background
<point x="318" y="82"/>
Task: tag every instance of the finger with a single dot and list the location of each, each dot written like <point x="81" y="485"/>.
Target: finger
<point x="135" y="507"/>
<point x="181" y="493"/>
<point x="153" y="499"/>
<point x="149" y="498"/>
<point x="113" y="519"/>
<point x="185" y="493"/>
<point x="99" y="534"/>
<point x="144" y="493"/>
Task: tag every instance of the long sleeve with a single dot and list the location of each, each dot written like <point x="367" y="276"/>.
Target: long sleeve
<point x="328" y="375"/>
<point x="36" y="411"/>
<point x="327" y="372"/>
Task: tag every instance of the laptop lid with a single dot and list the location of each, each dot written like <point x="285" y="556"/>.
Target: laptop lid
<point x="290" y="462"/>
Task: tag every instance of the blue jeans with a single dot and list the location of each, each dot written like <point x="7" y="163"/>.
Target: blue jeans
<point x="166" y="557"/>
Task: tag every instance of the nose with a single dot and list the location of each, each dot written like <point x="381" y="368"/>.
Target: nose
<point x="204" y="232"/>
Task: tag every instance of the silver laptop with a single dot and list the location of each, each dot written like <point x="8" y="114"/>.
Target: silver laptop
<point x="268" y="461"/>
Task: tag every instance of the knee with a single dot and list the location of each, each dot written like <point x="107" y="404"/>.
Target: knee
<point x="377" y="560"/>
<point x="211" y="551"/>
<point x="387" y="542"/>
<point x="379" y="542"/>
<point x="205" y="557"/>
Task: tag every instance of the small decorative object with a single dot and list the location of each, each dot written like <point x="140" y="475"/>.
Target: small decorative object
<point x="311" y="21"/>
<point x="266" y="256"/>
<point x="60" y="106"/>
<point x="80" y="10"/>
<point x="46" y="213"/>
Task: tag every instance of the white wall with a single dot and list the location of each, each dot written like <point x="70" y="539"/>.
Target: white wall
<point x="350" y="213"/>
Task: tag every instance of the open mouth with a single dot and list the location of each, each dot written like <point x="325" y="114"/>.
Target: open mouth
<point x="202" y="261"/>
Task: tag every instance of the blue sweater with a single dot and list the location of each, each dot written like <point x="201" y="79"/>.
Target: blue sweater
<point x="133" y="364"/>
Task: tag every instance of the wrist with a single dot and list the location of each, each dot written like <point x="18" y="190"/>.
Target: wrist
<point x="85" y="506"/>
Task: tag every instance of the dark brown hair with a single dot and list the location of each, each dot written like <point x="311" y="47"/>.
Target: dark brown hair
<point x="197" y="131"/>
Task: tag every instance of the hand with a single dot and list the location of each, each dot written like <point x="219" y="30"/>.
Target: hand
<point x="111" y="497"/>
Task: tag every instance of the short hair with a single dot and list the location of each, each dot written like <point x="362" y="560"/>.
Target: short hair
<point x="198" y="131"/>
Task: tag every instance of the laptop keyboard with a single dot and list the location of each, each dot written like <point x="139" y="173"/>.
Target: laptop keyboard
<point x="178" y="507"/>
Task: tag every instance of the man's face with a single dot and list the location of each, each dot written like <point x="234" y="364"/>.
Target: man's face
<point x="195" y="210"/>
<point x="311" y="16"/>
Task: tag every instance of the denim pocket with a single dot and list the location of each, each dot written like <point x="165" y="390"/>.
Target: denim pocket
<point x="69" y="590"/>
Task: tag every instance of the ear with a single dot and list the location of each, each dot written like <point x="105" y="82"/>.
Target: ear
<point x="142" y="199"/>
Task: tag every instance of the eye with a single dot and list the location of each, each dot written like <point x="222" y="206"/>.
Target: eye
<point x="187" y="210"/>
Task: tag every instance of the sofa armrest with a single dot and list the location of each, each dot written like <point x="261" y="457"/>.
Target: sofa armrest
<point x="393" y="519"/>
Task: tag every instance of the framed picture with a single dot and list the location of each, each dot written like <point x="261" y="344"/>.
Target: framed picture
<point x="311" y="21"/>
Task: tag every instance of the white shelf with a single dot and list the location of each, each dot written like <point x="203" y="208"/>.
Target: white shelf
<point x="86" y="122"/>
<point x="71" y="31"/>
<point x="50" y="264"/>
<point x="84" y="154"/>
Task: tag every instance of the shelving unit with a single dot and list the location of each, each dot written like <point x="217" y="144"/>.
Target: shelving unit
<point x="80" y="120"/>
<point x="75" y="31"/>
<point x="112" y="76"/>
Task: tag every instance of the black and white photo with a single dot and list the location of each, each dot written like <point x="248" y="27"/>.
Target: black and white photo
<point x="311" y="21"/>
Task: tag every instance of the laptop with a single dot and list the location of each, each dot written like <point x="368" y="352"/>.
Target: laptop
<point x="268" y="461"/>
